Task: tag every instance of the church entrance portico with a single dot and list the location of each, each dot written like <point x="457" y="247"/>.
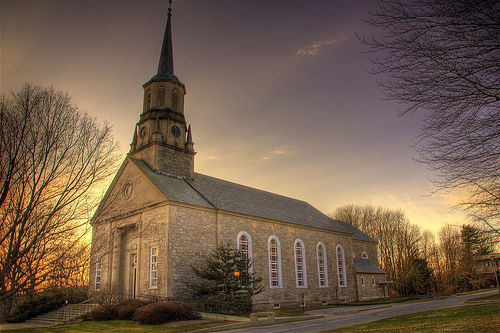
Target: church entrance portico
<point x="128" y="262"/>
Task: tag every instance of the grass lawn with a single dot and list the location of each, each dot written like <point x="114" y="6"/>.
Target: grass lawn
<point x="483" y="318"/>
<point x="114" y="326"/>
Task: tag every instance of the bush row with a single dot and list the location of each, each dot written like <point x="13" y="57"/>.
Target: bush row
<point x="143" y="312"/>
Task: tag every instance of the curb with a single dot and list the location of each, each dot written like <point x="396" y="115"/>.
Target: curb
<point x="246" y="323"/>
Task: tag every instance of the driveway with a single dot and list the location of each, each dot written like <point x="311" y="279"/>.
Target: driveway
<point x="348" y="316"/>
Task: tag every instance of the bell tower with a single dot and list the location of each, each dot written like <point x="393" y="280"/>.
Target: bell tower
<point x="162" y="138"/>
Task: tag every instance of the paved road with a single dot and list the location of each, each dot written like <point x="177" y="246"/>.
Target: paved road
<point x="348" y="316"/>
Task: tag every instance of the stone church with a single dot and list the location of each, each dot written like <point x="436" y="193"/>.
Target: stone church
<point x="159" y="217"/>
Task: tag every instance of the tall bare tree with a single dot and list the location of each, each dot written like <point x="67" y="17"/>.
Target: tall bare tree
<point x="443" y="57"/>
<point x="399" y="244"/>
<point x="52" y="158"/>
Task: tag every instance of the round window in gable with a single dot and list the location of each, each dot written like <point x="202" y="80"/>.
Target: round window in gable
<point x="127" y="190"/>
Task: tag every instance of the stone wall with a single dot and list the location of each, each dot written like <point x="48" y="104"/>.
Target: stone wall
<point x="185" y="235"/>
<point x="371" y="289"/>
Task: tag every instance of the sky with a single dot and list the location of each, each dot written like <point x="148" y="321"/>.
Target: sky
<point x="279" y="94"/>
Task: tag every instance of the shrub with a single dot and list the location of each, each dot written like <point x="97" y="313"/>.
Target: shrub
<point x="127" y="308"/>
<point x="102" y="313"/>
<point x="159" y="313"/>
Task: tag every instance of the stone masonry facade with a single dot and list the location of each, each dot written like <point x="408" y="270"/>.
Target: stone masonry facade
<point x="184" y="236"/>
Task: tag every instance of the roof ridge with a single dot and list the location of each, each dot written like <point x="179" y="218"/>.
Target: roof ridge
<point x="203" y="196"/>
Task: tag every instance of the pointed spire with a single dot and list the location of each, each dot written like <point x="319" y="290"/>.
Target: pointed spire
<point x="189" y="141"/>
<point x="166" y="64"/>
<point x="134" y="140"/>
<point x="157" y="136"/>
<point x="157" y="124"/>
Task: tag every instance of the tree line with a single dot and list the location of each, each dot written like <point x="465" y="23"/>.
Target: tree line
<point x="418" y="261"/>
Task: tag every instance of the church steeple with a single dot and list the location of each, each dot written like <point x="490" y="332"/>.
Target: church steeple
<point x="162" y="138"/>
<point x="166" y="63"/>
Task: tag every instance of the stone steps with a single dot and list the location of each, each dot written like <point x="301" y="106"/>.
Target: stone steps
<point x="62" y="315"/>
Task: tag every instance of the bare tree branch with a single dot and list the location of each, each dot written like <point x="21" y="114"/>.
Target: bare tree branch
<point x="52" y="157"/>
<point x="443" y="57"/>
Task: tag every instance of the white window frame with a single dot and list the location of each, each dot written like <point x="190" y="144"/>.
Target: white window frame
<point x="98" y="274"/>
<point x="373" y="281"/>
<point x="300" y="264"/>
<point x="341" y="266"/>
<point x="153" y="267"/>
<point x="362" y="281"/>
<point x="249" y="250"/>
<point x="364" y="255"/>
<point x="322" y="266"/>
<point x="275" y="272"/>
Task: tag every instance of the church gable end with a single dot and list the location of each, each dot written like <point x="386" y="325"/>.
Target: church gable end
<point x="130" y="191"/>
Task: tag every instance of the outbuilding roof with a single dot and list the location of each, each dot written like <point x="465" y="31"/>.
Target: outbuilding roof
<point x="365" y="266"/>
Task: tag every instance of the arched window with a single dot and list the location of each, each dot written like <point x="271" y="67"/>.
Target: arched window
<point x="175" y="94"/>
<point x="322" y="270"/>
<point x="160" y="97"/>
<point x="300" y="264"/>
<point x="364" y="255"/>
<point x="148" y="100"/>
<point x="274" y="252"/>
<point x="244" y="244"/>
<point x="341" y="266"/>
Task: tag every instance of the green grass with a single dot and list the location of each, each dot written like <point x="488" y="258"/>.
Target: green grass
<point x="483" y="318"/>
<point x="114" y="326"/>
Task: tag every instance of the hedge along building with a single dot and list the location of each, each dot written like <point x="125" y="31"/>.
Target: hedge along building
<point x="159" y="218"/>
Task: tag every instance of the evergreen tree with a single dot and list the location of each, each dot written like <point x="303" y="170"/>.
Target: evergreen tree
<point x="218" y="274"/>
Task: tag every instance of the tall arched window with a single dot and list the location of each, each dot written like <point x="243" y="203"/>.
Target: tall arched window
<point x="322" y="269"/>
<point x="341" y="266"/>
<point x="274" y="252"/>
<point x="175" y="94"/>
<point x="244" y="244"/>
<point x="160" y="97"/>
<point x="300" y="264"/>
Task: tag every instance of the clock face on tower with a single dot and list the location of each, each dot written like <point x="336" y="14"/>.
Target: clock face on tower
<point x="143" y="131"/>
<point x="176" y="132"/>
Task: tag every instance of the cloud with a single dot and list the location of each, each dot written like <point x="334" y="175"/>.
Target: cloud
<point x="315" y="48"/>
<point x="278" y="153"/>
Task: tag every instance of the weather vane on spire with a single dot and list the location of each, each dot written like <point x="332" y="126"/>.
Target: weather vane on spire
<point x="169" y="8"/>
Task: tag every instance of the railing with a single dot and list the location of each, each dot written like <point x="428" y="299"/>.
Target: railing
<point x="149" y="298"/>
<point x="226" y="307"/>
<point x="73" y="311"/>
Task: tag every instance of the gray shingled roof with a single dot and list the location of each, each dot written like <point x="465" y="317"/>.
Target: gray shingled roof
<point x="174" y="188"/>
<point x="365" y="266"/>
<point x="216" y="193"/>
